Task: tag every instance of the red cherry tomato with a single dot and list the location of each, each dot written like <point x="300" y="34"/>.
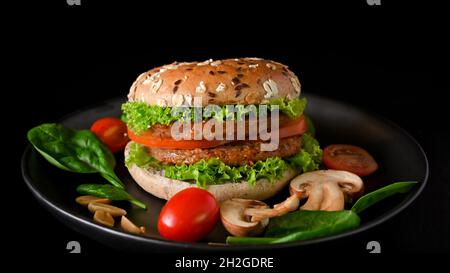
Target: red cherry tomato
<point x="189" y="215"/>
<point x="112" y="132"/>
<point x="349" y="158"/>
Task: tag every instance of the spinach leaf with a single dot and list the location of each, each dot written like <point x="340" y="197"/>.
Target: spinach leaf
<point x="307" y="220"/>
<point x="303" y="225"/>
<point x="110" y="192"/>
<point x="371" y="198"/>
<point x="75" y="151"/>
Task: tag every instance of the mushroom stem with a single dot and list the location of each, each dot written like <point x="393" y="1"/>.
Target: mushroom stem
<point x="326" y="189"/>
<point x="333" y="198"/>
<point x="314" y="200"/>
<point x="288" y="205"/>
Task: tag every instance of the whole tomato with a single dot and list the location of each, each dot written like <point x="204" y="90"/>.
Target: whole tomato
<point x="112" y="132"/>
<point x="189" y="215"/>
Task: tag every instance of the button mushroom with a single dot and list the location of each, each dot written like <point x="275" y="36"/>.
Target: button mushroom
<point x="326" y="189"/>
<point x="234" y="219"/>
<point x="288" y="205"/>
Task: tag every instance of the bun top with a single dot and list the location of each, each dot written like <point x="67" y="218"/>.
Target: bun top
<point x="221" y="82"/>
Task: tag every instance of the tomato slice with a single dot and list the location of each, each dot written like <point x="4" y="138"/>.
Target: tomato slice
<point x="160" y="137"/>
<point x="149" y="139"/>
<point x="111" y="131"/>
<point x="293" y="127"/>
<point x="349" y="158"/>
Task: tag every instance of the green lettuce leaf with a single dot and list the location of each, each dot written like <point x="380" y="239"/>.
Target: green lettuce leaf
<point x="309" y="157"/>
<point x="214" y="171"/>
<point x="311" y="128"/>
<point x="140" y="116"/>
<point x="138" y="155"/>
<point x="209" y="172"/>
<point x="271" y="168"/>
<point x="292" y="108"/>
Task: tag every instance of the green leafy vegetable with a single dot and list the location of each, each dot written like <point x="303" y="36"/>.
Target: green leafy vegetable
<point x="140" y="116"/>
<point x="110" y="192"/>
<point x="292" y="108"/>
<point x="306" y="220"/>
<point x="214" y="171"/>
<point x="303" y="225"/>
<point x="123" y="117"/>
<point x="271" y="169"/>
<point x="76" y="151"/>
<point x="309" y="157"/>
<point x="311" y="129"/>
<point x="139" y="156"/>
<point x="371" y="198"/>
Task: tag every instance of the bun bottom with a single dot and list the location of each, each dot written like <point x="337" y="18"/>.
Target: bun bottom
<point x="152" y="181"/>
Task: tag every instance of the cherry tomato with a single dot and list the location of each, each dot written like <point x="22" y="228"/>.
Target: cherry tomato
<point x="189" y="215"/>
<point x="349" y="158"/>
<point x="112" y="132"/>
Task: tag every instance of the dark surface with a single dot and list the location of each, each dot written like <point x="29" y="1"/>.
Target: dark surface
<point x="391" y="61"/>
<point x="398" y="155"/>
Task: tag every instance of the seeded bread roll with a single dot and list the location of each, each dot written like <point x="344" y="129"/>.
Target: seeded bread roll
<point x="221" y="82"/>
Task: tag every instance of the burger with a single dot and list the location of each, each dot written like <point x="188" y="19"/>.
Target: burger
<point x="229" y="168"/>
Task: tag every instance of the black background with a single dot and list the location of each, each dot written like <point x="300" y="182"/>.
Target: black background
<point x="389" y="60"/>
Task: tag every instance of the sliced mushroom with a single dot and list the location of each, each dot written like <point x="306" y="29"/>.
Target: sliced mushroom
<point x="142" y="229"/>
<point x="288" y="205"/>
<point x="234" y="219"/>
<point x="84" y="200"/>
<point x="130" y="227"/>
<point x="104" y="218"/>
<point x="114" y="211"/>
<point x="326" y="189"/>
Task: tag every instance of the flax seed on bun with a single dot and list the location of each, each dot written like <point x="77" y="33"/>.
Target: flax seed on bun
<point x="221" y="82"/>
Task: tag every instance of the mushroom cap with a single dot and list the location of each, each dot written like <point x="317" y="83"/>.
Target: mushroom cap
<point x="326" y="189"/>
<point x="348" y="182"/>
<point x="236" y="222"/>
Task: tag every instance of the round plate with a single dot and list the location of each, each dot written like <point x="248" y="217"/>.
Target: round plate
<point x="399" y="156"/>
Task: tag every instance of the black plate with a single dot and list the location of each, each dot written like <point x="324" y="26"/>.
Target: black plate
<point x="400" y="158"/>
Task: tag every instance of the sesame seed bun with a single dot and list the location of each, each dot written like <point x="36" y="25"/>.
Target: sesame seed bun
<point x="221" y="82"/>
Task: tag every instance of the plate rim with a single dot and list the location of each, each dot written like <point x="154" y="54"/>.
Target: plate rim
<point x="54" y="209"/>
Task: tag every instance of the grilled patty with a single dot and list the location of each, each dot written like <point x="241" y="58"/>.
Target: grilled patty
<point x="237" y="153"/>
